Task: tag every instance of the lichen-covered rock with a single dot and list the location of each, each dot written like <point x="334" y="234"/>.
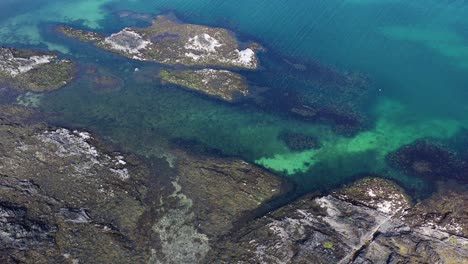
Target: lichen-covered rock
<point x="362" y="223"/>
<point x="34" y="70"/>
<point x="221" y="84"/>
<point x="168" y="41"/>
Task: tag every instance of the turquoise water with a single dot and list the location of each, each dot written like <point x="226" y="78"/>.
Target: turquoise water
<point x="414" y="52"/>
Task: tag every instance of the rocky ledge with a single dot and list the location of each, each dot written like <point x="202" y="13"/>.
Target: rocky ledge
<point x="372" y="221"/>
<point x="37" y="71"/>
<point x="168" y="41"/>
<point x="221" y="84"/>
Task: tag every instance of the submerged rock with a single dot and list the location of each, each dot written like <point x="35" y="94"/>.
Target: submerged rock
<point x="429" y="160"/>
<point x="34" y="70"/>
<point x="362" y="223"/>
<point x="169" y="42"/>
<point x="221" y="84"/>
<point x="299" y="142"/>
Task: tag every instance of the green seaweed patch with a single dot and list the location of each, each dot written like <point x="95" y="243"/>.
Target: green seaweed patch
<point x="328" y="245"/>
<point x="221" y="84"/>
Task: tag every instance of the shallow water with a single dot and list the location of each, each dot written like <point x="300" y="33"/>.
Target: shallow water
<point x="415" y="53"/>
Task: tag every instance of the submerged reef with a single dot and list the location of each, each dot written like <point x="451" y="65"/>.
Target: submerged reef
<point x="168" y="41"/>
<point x="221" y="84"/>
<point x="321" y="94"/>
<point x="367" y="222"/>
<point x="298" y="141"/>
<point x="429" y="160"/>
<point x="102" y="80"/>
<point x="28" y="70"/>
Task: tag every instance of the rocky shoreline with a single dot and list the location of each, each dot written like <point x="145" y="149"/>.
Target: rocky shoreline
<point x="66" y="197"/>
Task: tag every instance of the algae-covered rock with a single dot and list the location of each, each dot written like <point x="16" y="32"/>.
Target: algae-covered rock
<point x="221" y="84"/>
<point x="361" y="223"/>
<point x="168" y="41"/>
<point x="210" y="197"/>
<point x="34" y="70"/>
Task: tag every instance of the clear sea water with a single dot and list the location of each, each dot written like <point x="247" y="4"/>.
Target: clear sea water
<point x="415" y="53"/>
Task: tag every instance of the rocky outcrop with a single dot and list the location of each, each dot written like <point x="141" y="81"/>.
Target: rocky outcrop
<point x="37" y="71"/>
<point x="222" y="84"/>
<point x="63" y="198"/>
<point x="168" y="41"/>
<point x="363" y="223"/>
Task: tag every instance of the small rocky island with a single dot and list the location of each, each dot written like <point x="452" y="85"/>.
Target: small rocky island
<point x="37" y="71"/>
<point x="221" y="84"/>
<point x="170" y="42"/>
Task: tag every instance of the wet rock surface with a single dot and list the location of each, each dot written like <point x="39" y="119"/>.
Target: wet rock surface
<point x="363" y="223"/>
<point x="222" y="84"/>
<point x="168" y="41"/>
<point x="28" y="70"/>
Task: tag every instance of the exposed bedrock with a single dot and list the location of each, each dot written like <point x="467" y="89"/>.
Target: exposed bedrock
<point x="371" y="221"/>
